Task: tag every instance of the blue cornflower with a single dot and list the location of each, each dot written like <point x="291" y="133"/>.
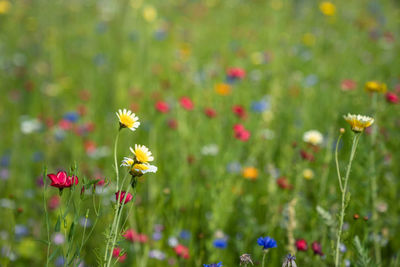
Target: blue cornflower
<point x="266" y="242"/>
<point x="220" y="243"/>
<point x="219" y="264"/>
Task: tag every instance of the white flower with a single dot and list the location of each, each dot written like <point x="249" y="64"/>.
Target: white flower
<point x="358" y="122"/>
<point x="211" y="149"/>
<point x="127" y="162"/>
<point x="128" y="119"/>
<point x="313" y="137"/>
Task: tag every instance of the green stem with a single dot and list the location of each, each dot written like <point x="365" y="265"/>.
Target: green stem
<point x="263" y="259"/>
<point x="47" y="217"/>
<point x="117" y="184"/>
<point x="374" y="190"/>
<point x="344" y="193"/>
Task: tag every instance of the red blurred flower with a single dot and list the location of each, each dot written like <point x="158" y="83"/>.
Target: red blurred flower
<point x="172" y="123"/>
<point x="239" y="111"/>
<point x="131" y="235"/>
<point x="242" y="135"/>
<point x="54" y="202"/>
<point x="90" y="146"/>
<point x="240" y="132"/>
<point x="61" y="180"/>
<point x="186" y="103"/>
<point x="283" y="183"/>
<point x="117" y="254"/>
<point x="65" y="124"/>
<point x="142" y="238"/>
<point x="236" y="73"/>
<point x="348" y="85"/>
<point x="301" y="245"/>
<point x="317" y="248"/>
<point x="392" y="98"/>
<point x="307" y="156"/>
<point x="210" y="112"/>
<point x="162" y="106"/>
<point x="182" y="251"/>
<point x="120" y="195"/>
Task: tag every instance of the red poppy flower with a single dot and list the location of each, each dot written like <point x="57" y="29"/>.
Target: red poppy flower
<point x="162" y="106"/>
<point x="301" y="245"/>
<point x="186" y="103"/>
<point x="120" y="195"/>
<point x="307" y="156"/>
<point x="61" y="180"/>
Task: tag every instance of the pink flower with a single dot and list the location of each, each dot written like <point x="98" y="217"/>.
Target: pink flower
<point x="210" y="112"/>
<point x="131" y="235"/>
<point x="120" y="196"/>
<point x="348" y="85"/>
<point x="54" y="202"/>
<point x="301" y="245"/>
<point x="142" y="238"/>
<point x="236" y="73"/>
<point x="182" y="251"/>
<point x="242" y="135"/>
<point x="317" y="248"/>
<point x="61" y="180"/>
<point x="186" y="103"/>
<point x="392" y="98"/>
<point x="117" y="254"/>
<point x="162" y="106"/>
<point x="240" y="132"/>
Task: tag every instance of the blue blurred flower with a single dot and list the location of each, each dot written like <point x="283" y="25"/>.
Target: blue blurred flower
<point x="157" y="236"/>
<point x="21" y="231"/>
<point x="71" y="116"/>
<point x="60" y="261"/>
<point x="219" y="264"/>
<point x="184" y="234"/>
<point x="220" y="243"/>
<point x="259" y="106"/>
<point x="5" y="160"/>
<point x="234" y="167"/>
<point x="266" y="242"/>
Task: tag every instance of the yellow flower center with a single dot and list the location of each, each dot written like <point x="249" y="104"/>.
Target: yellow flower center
<point x="141" y="167"/>
<point x="126" y="120"/>
<point x="141" y="156"/>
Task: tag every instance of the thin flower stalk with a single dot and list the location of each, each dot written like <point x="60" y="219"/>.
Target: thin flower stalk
<point x="343" y="189"/>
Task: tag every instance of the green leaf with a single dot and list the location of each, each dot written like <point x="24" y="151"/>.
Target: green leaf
<point x="71" y="231"/>
<point x="53" y="254"/>
<point x="58" y="225"/>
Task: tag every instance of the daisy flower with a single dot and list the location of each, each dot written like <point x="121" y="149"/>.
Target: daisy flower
<point x="139" y="169"/>
<point x="313" y="137"/>
<point x="358" y="122"/>
<point x="142" y="154"/>
<point x="127" y="162"/>
<point x="128" y="119"/>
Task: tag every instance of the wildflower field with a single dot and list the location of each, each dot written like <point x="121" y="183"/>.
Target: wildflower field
<point x="199" y="133"/>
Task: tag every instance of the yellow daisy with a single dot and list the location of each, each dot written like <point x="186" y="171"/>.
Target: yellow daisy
<point x="128" y="119"/>
<point x="358" y="122"/>
<point x="142" y="154"/>
<point x="375" y="86"/>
